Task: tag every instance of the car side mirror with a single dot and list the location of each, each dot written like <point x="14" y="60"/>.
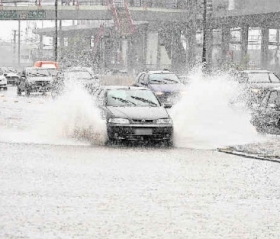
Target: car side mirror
<point x="167" y="105"/>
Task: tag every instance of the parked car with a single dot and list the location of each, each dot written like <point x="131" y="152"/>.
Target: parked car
<point x="12" y="78"/>
<point x="34" y="79"/>
<point x="257" y="83"/>
<point x="165" y="84"/>
<point x="266" y="114"/>
<point x="134" y="113"/>
<point x="3" y="81"/>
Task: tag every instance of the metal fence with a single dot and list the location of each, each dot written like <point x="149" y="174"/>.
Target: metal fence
<point x="172" y="4"/>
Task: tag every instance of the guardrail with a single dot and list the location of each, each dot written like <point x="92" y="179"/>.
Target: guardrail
<point x="168" y="4"/>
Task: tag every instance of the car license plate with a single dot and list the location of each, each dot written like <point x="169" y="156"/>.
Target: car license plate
<point x="143" y="131"/>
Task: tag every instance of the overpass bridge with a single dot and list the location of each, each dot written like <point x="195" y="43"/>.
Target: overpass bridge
<point x="256" y="17"/>
<point x="173" y="20"/>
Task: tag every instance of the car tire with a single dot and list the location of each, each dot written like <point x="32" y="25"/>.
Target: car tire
<point x="18" y="91"/>
<point x="169" y="143"/>
<point x="5" y="88"/>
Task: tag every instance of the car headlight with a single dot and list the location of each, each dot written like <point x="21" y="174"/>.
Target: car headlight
<point x="159" y="93"/>
<point x="164" y="121"/>
<point x="118" y="121"/>
<point x="256" y="90"/>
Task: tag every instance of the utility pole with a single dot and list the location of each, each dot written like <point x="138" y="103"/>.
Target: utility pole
<point x="204" y="19"/>
<point x="56" y="32"/>
<point x="19" y="42"/>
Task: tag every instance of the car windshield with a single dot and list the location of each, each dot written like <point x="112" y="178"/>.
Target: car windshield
<point x="78" y="75"/>
<point x="163" y="78"/>
<point x="131" y="98"/>
<point x="262" y="77"/>
<point x="274" y="98"/>
<point x="38" y="72"/>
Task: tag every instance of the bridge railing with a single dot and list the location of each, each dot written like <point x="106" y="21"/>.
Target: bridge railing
<point x="169" y="4"/>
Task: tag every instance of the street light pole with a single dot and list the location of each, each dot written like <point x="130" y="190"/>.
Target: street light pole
<point x="19" y="30"/>
<point x="56" y="32"/>
<point x="204" y="31"/>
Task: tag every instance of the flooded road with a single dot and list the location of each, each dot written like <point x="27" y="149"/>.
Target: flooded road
<point x="68" y="188"/>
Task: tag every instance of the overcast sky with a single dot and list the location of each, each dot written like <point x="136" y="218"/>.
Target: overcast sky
<point x="7" y="27"/>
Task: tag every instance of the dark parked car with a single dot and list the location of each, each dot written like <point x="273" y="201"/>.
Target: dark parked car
<point x="134" y="113"/>
<point x="257" y="83"/>
<point x="266" y="115"/>
<point x="166" y="85"/>
<point x="3" y="81"/>
<point x="12" y="78"/>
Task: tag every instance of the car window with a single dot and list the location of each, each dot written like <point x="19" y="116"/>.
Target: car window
<point x="274" y="98"/>
<point x="163" y="78"/>
<point x="37" y="72"/>
<point x="274" y="78"/>
<point x="141" y="79"/>
<point x="265" y="99"/>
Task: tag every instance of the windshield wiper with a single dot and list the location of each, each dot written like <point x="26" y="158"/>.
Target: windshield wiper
<point x="123" y="100"/>
<point x="38" y="74"/>
<point x="144" y="100"/>
<point x="158" y="81"/>
<point x="167" y="79"/>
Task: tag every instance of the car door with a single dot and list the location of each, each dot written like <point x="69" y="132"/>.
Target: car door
<point x="140" y="80"/>
<point x="271" y="113"/>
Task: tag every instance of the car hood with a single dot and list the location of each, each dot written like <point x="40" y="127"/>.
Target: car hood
<point x="167" y="87"/>
<point x="148" y="113"/>
<point x="33" y="79"/>
<point x="12" y="75"/>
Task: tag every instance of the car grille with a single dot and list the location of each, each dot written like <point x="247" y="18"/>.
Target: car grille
<point x="42" y="83"/>
<point x="142" y="121"/>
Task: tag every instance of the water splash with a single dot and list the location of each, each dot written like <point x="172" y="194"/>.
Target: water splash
<point x="73" y="115"/>
<point x="208" y="116"/>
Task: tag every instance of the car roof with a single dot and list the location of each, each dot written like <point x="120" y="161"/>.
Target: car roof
<point x="160" y="72"/>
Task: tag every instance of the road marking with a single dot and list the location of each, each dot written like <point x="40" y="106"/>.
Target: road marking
<point x="17" y="100"/>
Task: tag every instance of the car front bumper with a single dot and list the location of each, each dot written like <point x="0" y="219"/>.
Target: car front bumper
<point x="12" y="80"/>
<point x="140" y="132"/>
<point x="170" y="98"/>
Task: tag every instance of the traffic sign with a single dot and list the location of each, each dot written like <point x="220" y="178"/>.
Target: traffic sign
<point x="22" y="15"/>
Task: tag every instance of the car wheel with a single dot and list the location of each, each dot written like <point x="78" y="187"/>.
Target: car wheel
<point x="18" y="91"/>
<point x="169" y="143"/>
<point x="5" y="88"/>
